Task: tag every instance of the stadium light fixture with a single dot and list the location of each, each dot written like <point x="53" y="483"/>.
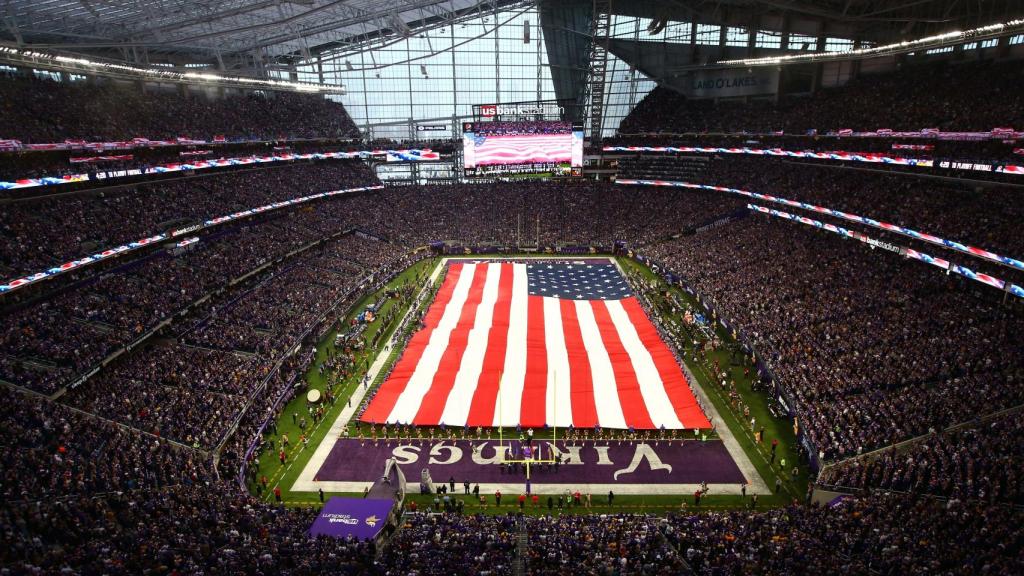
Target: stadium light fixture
<point x="938" y="40"/>
<point x="31" y="58"/>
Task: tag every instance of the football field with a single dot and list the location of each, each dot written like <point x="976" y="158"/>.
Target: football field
<point x="625" y="369"/>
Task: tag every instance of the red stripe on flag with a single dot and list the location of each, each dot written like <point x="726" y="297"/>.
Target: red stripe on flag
<point x="387" y="396"/>
<point x="532" y="409"/>
<point x="485" y="398"/>
<point x="432" y="406"/>
<point x="581" y="383"/>
<point x="676" y="386"/>
<point x="630" y="398"/>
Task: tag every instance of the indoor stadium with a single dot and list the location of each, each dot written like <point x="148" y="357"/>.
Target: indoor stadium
<point x="512" y="287"/>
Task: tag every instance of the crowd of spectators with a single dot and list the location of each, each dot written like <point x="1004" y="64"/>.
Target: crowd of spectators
<point x="961" y="212"/>
<point x="815" y="345"/>
<point x="116" y="475"/>
<point x="113" y="163"/>
<point x="52" y="451"/>
<point x="506" y="128"/>
<point x="40" y="111"/>
<point x="574" y="213"/>
<point x="207" y="528"/>
<point x="663" y="167"/>
<point x="33" y="240"/>
<point x="624" y="544"/>
<point x="266" y="320"/>
<point x="46" y="344"/>
<point x="58" y="163"/>
<point x="883" y="534"/>
<point x="914" y="97"/>
<point x="982" y="462"/>
<point x="193" y="393"/>
<point x="992" y="150"/>
<point x="443" y="145"/>
<point x="173" y="391"/>
<point x="440" y="545"/>
<point x="792" y="291"/>
<point x="873" y="349"/>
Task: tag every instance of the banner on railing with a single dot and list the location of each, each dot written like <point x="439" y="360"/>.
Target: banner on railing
<point x="98" y="159"/>
<point x="901" y="250"/>
<point x="951" y="244"/>
<point x="104" y="255"/>
<point x="390" y="155"/>
<point x="141" y="142"/>
<point x="933" y="133"/>
<point x="869" y="157"/>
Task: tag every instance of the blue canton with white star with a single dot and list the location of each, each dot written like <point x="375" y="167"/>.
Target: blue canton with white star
<point x="577" y="281"/>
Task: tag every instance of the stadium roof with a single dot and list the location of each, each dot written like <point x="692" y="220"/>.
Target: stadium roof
<point x="225" y="33"/>
<point x="875" y="20"/>
<point x="232" y="34"/>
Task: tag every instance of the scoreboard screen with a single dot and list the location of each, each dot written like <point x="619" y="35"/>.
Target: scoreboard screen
<point x="529" y="147"/>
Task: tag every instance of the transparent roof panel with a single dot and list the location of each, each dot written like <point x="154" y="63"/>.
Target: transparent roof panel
<point x="438" y="75"/>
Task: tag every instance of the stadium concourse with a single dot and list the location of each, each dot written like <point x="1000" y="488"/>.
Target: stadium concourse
<point x="349" y="288"/>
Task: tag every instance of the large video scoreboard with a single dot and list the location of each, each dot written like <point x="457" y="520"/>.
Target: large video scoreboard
<point x="500" y="148"/>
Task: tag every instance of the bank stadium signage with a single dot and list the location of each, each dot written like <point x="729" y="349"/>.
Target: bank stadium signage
<point x="518" y="110"/>
<point x="731" y="83"/>
<point x="185" y="230"/>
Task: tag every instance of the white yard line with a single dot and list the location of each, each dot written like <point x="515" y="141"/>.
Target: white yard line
<point x="305" y="481"/>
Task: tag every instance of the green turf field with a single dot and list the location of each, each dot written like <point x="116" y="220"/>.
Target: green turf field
<point x="299" y="454"/>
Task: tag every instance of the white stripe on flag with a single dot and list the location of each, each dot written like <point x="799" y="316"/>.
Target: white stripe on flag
<point x="606" y="394"/>
<point x="558" y="401"/>
<point x="510" y="392"/>
<point x="409" y="401"/>
<point x="651" y="387"/>
<point x="456" y="409"/>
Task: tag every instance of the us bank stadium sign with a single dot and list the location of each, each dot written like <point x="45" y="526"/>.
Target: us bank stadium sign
<point x="544" y="109"/>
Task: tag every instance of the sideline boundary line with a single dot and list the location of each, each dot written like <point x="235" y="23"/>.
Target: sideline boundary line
<point x="305" y="482"/>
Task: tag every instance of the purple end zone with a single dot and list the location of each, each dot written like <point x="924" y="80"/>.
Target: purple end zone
<point x="689" y="462"/>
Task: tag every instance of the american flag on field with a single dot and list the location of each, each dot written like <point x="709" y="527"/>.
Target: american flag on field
<point x="538" y="344"/>
<point x="523" y="149"/>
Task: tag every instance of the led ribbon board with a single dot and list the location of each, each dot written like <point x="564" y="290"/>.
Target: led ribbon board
<point x="869" y="157"/>
<point x="111" y="252"/>
<point x="423" y="155"/>
<point x="951" y="244"/>
<point x="909" y="253"/>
